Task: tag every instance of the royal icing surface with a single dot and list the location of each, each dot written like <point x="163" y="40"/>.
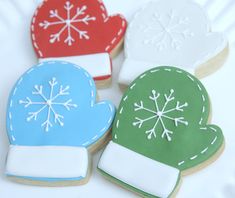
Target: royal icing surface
<point x="68" y="28"/>
<point x="158" y="179"/>
<point x="169" y="33"/>
<point x="163" y="117"/>
<point x="54" y="104"/>
<point x="47" y="162"/>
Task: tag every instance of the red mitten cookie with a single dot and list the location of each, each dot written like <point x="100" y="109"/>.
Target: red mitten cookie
<point x="78" y="31"/>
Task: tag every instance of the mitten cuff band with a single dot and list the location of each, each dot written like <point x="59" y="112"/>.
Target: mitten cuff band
<point x="138" y="171"/>
<point x="98" y="65"/>
<point x="47" y="161"/>
<point x="131" y="69"/>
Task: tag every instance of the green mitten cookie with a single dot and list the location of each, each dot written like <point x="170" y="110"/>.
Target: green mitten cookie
<point x="161" y="130"/>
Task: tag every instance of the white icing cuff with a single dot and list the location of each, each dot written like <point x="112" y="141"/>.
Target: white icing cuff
<point x="138" y="171"/>
<point x="47" y="161"/>
<point x="131" y="69"/>
<point x="99" y="66"/>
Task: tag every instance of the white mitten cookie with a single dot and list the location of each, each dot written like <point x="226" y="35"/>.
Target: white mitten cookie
<point x="170" y="32"/>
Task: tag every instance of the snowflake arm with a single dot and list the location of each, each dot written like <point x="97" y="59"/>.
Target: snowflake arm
<point x="166" y="133"/>
<point x="79" y="11"/>
<point x="82" y="34"/>
<point x="85" y="19"/>
<point x="154" y="97"/>
<point x="45" y="24"/>
<point x="56" y="37"/>
<point x="57" y="117"/>
<point x="168" y="99"/>
<point x="178" y="107"/>
<point x="176" y="120"/>
<point x="140" y="121"/>
<point x="29" y="102"/>
<point x="53" y="14"/>
<point x="34" y="115"/>
<point x="52" y="84"/>
<point x="47" y="124"/>
<point x="39" y="91"/>
<point x="68" y="105"/>
<point x="69" y="40"/>
<point x="141" y="107"/>
<point x="63" y="91"/>
<point x="68" y="7"/>
<point x="152" y="131"/>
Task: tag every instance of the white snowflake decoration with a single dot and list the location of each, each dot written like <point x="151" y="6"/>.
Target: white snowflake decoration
<point x="68" y="24"/>
<point x="160" y="114"/>
<point x="167" y="31"/>
<point x="48" y="104"/>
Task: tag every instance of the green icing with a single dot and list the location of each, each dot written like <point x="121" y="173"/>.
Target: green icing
<point x="190" y="141"/>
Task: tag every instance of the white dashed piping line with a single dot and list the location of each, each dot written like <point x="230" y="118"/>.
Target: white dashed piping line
<point x="33" y="29"/>
<point x="119" y="33"/>
<point x="105" y="18"/>
<point x="204" y="150"/>
<point x="142" y="76"/>
<point x="117" y="124"/>
<point x="13" y="138"/>
<point x="91" y="83"/>
<point x="201" y="119"/>
<point x="132" y="86"/>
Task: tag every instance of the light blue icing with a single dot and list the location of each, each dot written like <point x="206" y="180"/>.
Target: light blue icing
<point x="48" y="179"/>
<point x="84" y="124"/>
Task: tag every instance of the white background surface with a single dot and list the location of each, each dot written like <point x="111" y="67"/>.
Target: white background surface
<point x="17" y="55"/>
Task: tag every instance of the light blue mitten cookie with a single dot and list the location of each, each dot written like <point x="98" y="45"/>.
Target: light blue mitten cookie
<point x="52" y="121"/>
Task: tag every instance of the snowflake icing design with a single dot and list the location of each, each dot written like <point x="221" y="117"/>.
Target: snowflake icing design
<point x="167" y="33"/>
<point x="68" y="24"/>
<point x="160" y="114"/>
<point x="48" y="104"/>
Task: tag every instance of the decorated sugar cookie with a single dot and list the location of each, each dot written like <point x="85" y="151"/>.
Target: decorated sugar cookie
<point x="78" y="31"/>
<point x="170" y="32"/>
<point x="160" y="133"/>
<point x="53" y="121"/>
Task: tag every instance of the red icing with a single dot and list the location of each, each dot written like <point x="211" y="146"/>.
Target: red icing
<point x="104" y="31"/>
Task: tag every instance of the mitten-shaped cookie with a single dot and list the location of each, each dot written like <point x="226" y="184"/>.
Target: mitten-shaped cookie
<point x="169" y="32"/>
<point x="78" y="31"/>
<point x="53" y="121"/>
<point x="161" y="131"/>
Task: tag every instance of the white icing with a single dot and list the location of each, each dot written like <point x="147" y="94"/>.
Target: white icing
<point x="169" y="33"/>
<point x="48" y="104"/>
<point x="138" y="171"/>
<point x="47" y="161"/>
<point x="97" y="65"/>
<point x="69" y="24"/>
<point x="160" y="114"/>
